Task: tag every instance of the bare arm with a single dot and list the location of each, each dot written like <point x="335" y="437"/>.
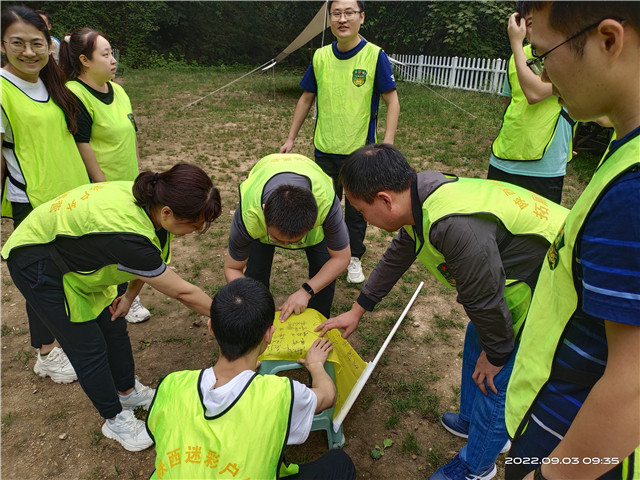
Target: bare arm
<point x="390" y="98"/>
<point x="91" y="162"/>
<point x="532" y="86"/>
<point x="299" y="116"/>
<point x="169" y="283"/>
<point x="321" y="383"/>
<point x="337" y="263"/>
<point x="608" y="423"/>
<point x="233" y="269"/>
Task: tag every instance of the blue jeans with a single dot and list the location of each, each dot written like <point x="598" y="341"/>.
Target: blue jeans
<point x="485" y="413"/>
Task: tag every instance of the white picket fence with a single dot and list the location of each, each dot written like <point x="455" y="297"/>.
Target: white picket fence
<point x="477" y="74"/>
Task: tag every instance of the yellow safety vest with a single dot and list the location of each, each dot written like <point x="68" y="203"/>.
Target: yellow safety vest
<point x="113" y="133"/>
<point x="44" y="148"/>
<point x="521" y="212"/>
<point x="252" y="188"/>
<point x="92" y="209"/>
<point x="527" y="130"/>
<point x="245" y="441"/>
<point x="556" y="299"/>
<point x="345" y="88"/>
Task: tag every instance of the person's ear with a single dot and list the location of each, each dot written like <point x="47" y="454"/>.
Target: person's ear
<point x="211" y="329"/>
<point x="268" y="335"/>
<point x="84" y="61"/>
<point x="386" y="198"/>
<point x="166" y="212"/>
<point x="610" y="34"/>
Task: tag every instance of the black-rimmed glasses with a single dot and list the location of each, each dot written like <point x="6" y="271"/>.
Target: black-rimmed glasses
<point x="536" y="64"/>
<point x="349" y="14"/>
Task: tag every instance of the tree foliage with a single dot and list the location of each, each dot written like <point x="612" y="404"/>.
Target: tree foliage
<point x="228" y="32"/>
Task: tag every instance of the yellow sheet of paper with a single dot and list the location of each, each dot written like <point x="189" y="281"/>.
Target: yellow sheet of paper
<point x="293" y="338"/>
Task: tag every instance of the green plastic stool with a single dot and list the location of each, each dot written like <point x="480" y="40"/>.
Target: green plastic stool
<point x="322" y="420"/>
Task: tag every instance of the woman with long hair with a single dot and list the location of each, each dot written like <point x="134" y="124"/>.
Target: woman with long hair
<point x="106" y="136"/>
<point x="40" y="159"/>
<point x="69" y="255"/>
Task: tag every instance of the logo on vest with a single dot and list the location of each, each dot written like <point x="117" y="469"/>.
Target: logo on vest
<point x="359" y="77"/>
<point x="444" y="271"/>
<point x="553" y="255"/>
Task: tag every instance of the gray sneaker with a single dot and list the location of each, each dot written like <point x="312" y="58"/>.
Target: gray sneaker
<point x="140" y="397"/>
<point x="128" y="431"/>
<point x="137" y="312"/>
<point x="354" y="271"/>
<point x="55" y="365"/>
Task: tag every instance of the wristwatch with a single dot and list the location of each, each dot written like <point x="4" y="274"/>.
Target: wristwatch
<point x="307" y="288"/>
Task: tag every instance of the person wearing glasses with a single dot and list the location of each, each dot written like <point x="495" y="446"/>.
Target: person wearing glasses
<point x="40" y="159"/>
<point x="289" y="202"/>
<point x="535" y="140"/>
<point x="573" y="400"/>
<point x="348" y="78"/>
<point x="106" y="136"/>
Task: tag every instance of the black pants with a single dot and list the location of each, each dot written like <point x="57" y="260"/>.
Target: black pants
<point x="356" y="224"/>
<point x="548" y="187"/>
<point x="333" y="465"/>
<point x="99" y="350"/>
<point x="261" y="259"/>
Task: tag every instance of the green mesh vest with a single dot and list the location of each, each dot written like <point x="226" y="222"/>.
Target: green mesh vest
<point x="92" y="209"/>
<point x="556" y="299"/>
<point x="252" y="188"/>
<point x="527" y="130"/>
<point x="45" y="149"/>
<point x="245" y="441"/>
<point x="521" y="212"/>
<point x="345" y="88"/>
<point x="113" y="133"/>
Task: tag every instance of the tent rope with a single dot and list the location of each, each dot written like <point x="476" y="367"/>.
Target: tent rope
<point x="225" y="86"/>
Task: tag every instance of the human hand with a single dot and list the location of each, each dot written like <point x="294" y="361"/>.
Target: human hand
<point x="120" y="307"/>
<point x="287" y="147"/>
<point x="317" y="353"/>
<point x="485" y="371"/>
<point x="517" y="29"/>
<point x="296" y="303"/>
<point x="347" y="321"/>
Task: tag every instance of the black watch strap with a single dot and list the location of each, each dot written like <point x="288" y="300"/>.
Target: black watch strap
<point x="537" y="475"/>
<point x="307" y="288"/>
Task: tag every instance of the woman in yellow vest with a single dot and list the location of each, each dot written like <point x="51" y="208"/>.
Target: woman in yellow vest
<point x="106" y="135"/>
<point x="69" y="255"/>
<point x="39" y="157"/>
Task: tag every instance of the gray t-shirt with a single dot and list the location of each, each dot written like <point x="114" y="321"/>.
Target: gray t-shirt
<point x="335" y="230"/>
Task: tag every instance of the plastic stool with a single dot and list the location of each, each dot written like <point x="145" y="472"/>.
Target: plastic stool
<point x="322" y="420"/>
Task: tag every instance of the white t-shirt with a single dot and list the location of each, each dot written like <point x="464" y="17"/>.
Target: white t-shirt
<point x="216" y="400"/>
<point x="37" y="92"/>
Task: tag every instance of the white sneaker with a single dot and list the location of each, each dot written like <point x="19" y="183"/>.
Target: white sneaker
<point x="128" y="431"/>
<point x="55" y="365"/>
<point x="137" y="312"/>
<point x="140" y="397"/>
<point x="354" y="271"/>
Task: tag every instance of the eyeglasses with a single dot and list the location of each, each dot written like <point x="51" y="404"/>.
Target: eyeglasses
<point x="348" y="14"/>
<point x="536" y="64"/>
<point x="17" y="46"/>
<point x="275" y="241"/>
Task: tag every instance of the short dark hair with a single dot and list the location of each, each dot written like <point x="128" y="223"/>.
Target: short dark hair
<point x="374" y="168"/>
<point x="360" y="5"/>
<point x="46" y="15"/>
<point x="186" y="189"/>
<point x="241" y="313"/>
<point x="291" y="209"/>
<point x="570" y="17"/>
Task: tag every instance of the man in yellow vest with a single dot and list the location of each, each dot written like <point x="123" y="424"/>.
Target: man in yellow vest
<point x="348" y="77"/>
<point x="573" y="401"/>
<point x="534" y="142"/>
<point x="288" y="202"/>
<point x="233" y="422"/>
<point x="484" y="238"/>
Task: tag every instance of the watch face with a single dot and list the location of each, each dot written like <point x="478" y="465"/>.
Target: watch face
<point x="308" y="289"/>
